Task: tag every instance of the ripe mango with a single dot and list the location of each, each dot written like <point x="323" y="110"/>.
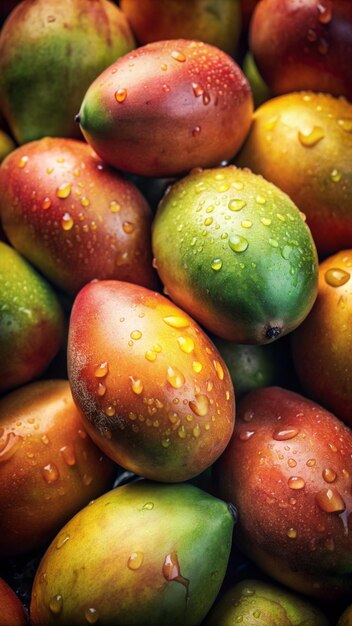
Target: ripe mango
<point x="233" y="251"/>
<point x="154" y="393"/>
<point x="144" y="553"/>
<point x="74" y="217"/>
<point x="167" y="107"/>
<point x="31" y="321"/>
<point x="12" y="611"/>
<point x="49" y="53"/>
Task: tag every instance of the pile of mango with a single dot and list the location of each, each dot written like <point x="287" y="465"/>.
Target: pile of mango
<point x="175" y="312"/>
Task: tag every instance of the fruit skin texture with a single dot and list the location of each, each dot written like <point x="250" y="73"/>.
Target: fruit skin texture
<point x="6" y="145"/>
<point x="254" y="599"/>
<point x="73" y="217"/>
<point x="12" y="611"/>
<point x="154" y="393"/>
<point x="49" y="53"/>
<point x="216" y="23"/>
<point x="322" y="346"/>
<point x="288" y="464"/>
<point x="250" y="280"/>
<point x="165" y="545"/>
<point x="194" y="109"/>
<point x="304" y="45"/>
<point x="31" y="321"/>
<point x="318" y="130"/>
<point x="48" y="463"/>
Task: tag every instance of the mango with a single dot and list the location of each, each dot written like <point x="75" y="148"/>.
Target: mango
<point x="260" y="90"/>
<point x="6" y="145"/>
<point x="144" y="553"/>
<point x="322" y="346"/>
<point x="154" y="393"/>
<point x="31" y="321"/>
<point x="304" y="46"/>
<point x="217" y="22"/>
<point x="256" y="603"/>
<point x="233" y="251"/>
<point x="288" y="469"/>
<point x="73" y="217"/>
<point x="302" y="142"/>
<point x="49" y="54"/>
<point x="49" y="467"/>
<point x="167" y="107"/>
<point x="346" y="617"/>
<point x="12" y="611"/>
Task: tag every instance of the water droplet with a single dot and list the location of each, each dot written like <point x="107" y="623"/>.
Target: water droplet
<point x="273" y="243"/>
<point x="182" y="432"/>
<point x="56" y="604"/>
<point x="266" y="221"/>
<point x="115" y="206"/>
<point x="91" y="615"/>
<point x="292" y="533"/>
<point x="260" y="199"/>
<point x="148" y="506"/>
<point x="135" y="560"/>
<point x="64" y="190"/>
<point x="45" y="439"/>
<point x="283" y="434"/>
<point x="345" y="124"/>
<point x="50" y="473"/>
<point x="62" y="539"/>
<point x="332" y="447"/>
<point x="325" y="13"/>
<point x="175" y="377"/>
<point x="128" y="227"/>
<point x="200" y="405"/>
<point x="67" y="222"/>
<point x="296" y="482"/>
<point x="101" y="390"/>
<point x="286" y="252"/>
<point x="49" y="170"/>
<point x="186" y="344"/>
<point x="46" y="203"/>
<point x="238" y="243"/>
<point x="236" y="204"/>
<point x="136" y="385"/>
<point x="121" y="95"/>
<point x="163" y="67"/>
<point x="311" y="462"/>
<point x="336" y="277"/>
<point x="291" y="463"/>
<point x="335" y="176"/>
<point x="9" y="445"/>
<point x="166" y="442"/>
<point x="245" y="435"/>
<point x="219" y="369"/>
<point x="330" y="501"/>
<point x="23" y="162"/>
<point x="312" y="137"/>
<point x="178" y="56"/>
<point x="172" y="572"/>
<point x="176" y="321"/>
<point x="329" y="475"/>
<point x="197" y="367"/>
<point x="197" y="90"/>
<point x="68" y="455"/>
<point x="110" y="411"/>
<point x="196" y="131"/>
<point x="206" y="98"/>
<point x="150" y="355"/>
<point x="136" y="334"/>
<point x="216" y="265"/>
<point x="102" y="370"/>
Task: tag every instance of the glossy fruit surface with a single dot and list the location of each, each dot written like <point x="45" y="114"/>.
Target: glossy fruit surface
<point x="153" y="390"/>
<point x="49" y="468"/>
<point x="6" y="145"/>
<point x="144" y="553"/>
<point x="233" y="251"/>
<point x="74" y="217"/>
<point x="167" y="107"/>
<point x="12" y="611"/>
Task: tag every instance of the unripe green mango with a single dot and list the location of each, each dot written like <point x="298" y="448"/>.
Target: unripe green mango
<point x="234" y="252"/>
<point x="50" y="52"/>
<point x="143" y="554"/>
<point x="255" y="603"/>
<point x="31" y="321"/>
<point x="6" y="145"/>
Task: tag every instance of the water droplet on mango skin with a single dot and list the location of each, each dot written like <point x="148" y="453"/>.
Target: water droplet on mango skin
<point x="330" y="501"/>
<point x="135" y="560"/>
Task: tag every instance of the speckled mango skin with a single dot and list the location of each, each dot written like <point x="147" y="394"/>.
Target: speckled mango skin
<point x="255" y="294"/>
<point x="153" y="522"/>
<point x="317" y="177"/>
<point x="49" y="53"/>
<point x="167" y="107"/>
<point x="262" y="604"/>
<point x="154" y="393"/>
<point x="31" y="321"/>
<point x="50" y="468"/>
<point x="73" y="217"/>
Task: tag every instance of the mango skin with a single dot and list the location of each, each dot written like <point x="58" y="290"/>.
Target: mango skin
<point x="288" y="469"/>
<point x="155" y="396"/>
<point x="12" y="611"/>
<point x="49" y="53"/>
<point x="322" y="346"/>
<point x="311" y="49"/>
<point x="94" y="573"/>
<point x="167" y="107"/>
<point x="255" y="294"/>
<point x="216" y="23"/>
<point x="277" y="148"/>
<point x="73" y="217"/>
<point x="263" y="604"/>
<point x="48" y="463"/>
<point x="6" y="145"/>
<point x="31" y="321"/>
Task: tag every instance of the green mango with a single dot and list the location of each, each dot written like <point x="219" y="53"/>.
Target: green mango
<point x="6" y="145"/>
<point x="50" y="52"/>
<point x="31" y="321"/>
<point x="234" y="252"/>
<point x="143" y="554"/>
<point x="260" y="90"/>
<point x="255" y="603"/>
